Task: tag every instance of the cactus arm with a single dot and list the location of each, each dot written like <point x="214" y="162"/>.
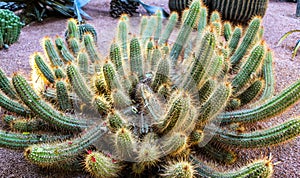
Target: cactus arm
<point x="136" y="63"/>
<point x="272" y="107"/>
<point x="90" y="47"/>
<point x="185" y="31"/>
<point x="122" y="36"/>
<point x="116" y="58"/>
<point x="169" y="28"/>
<point x="234" y="39"/>
<point x="161" y="75"/>
<point x="63" y="99"/>
<point x="272" y="136"/>
<point x="268" y="75"/>
<point x="250" y="67"/>
<point x="23" y="140"/>
<point x="51" y="52"/>
<point x="259" y="168"/>
<point x="78" y="84"/>
<point x="42" y="68"/>
<point x="13" y="106"/>
<point x="247" y="41"/>
<point x="6" y="86"/>
<point x="27" y="125"/>
<point x="83" y="63"/>
<point x="63" y="50"/>
<point x="51" y="154"/>
<point x="42" y="110"/>
<point x="227" y="31"/>
<point x="251" y="92"/>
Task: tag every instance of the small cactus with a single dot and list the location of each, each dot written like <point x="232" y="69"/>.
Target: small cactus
<point x="10" y="28"/>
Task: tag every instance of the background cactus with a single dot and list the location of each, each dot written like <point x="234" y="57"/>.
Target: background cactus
<point x="10" y="28"/>
<point x="239" y="11"/>
<point x="169" y="119"/>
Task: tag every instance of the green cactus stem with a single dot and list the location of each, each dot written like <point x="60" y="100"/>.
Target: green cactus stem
<point x="42" y="68"/>
<point x="51" y="52"/>
<point x="248" y="39"/>
<point x="62" y="95"/>
<point x="79" y="85"/>
<point x="136" y="62"/>
<point x="54" y="154"/>
<point x="169" y="28"/>
<point x="272" y="136"/>
<point x="6" y="86"/>
<point x="22" y="140"/>
<point x="63" y="50"/>
<point x="100" y="165"/>
<point x="185" y="31"/>
<point x="272" y="107"/>
<point x="179" y="170"/>
<point x="259" y="168"/>
<point x="13" y="106"/>
<point x="90" y="47"/>
<point x="42" y="110"/>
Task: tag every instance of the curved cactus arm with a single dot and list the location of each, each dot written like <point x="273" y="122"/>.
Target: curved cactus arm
<point x="23" y="140"/>
<point x="43" y="110"/>
<point x="259" y="168"/>
<point x="13" y="106"/>
<point x="272" y="107"/>
<point x="185" y="31"/>
<point x="169" y="28"/>
<point x="268" y="75"/>
<point x="6" y="86"/>
<point x="272" y="136"/>
<point x="51" y="154"/>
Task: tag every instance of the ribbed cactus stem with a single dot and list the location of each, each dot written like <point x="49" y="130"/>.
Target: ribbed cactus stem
<point x="248" y="38"/>
<point x="63" y="50"/>
<point x="227" y="30"/>
<point x="62" y="95"/>
<point x="150" y="29"/>
<point x="122" y="36"/>
<point x="202" y="20"/>
<point x="158" y="30"/>
<point x="272" y="107"/>
<point x="185" y="30"/>
<point x="124" y="144"/>
<point x="100" y="165"/>
<point x="116" y="58"/>
<point x="235" y="39"/>
<point x="42" y="69"/>
<point x="78" y="84"/>
<point x="251" y="66"/>
<point x="215" y="104"/>
<point x="161" y="75"/>
<point x="90" y="47"/>
<point x="13" y="106"/>
<point x="22" y="140"/>
<point x="27" y="125"/>
<point x="169" y="28"/>
<point x="83" y="63"/>
<point x="143" y="24"/>
<point x="271" y="136"/>
<point x="268" y="75"/>
<point x="175" y="144"/>
<point x="72" y="29"/>
<point x="251" y="92"/>
<point x="102" y="105"/>
<point x="44" y="111"/>
<point x="197" y="72"/>
<point x="259" y="168"/>
<point x="179" y="170"/>
<point x="6" y="87"/>
<point x="53" y="154"/>
<point x="51" y="52"/>
<point x="136" y="61"/>
<point x="111" y="77"/>
<point x="74" y="46"/>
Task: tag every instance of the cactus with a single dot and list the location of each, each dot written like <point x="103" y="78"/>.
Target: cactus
<point x="149" y="114"/>
<point x="10" y="28"/>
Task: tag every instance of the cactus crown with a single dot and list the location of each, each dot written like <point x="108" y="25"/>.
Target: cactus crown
<point x="168" y="97"/>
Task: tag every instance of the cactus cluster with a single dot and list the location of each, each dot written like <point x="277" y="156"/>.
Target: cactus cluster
<point x="238" y="11"/>
<point x="10" y="28"/>
<point x="150" y="106"/>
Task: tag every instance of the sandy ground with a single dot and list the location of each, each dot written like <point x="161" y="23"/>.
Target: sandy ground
<point x="280" y="18"/>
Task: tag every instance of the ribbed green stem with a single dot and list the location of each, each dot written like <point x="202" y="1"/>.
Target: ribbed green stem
<point x="78" y="84"/>
<point x="44" y="111"/>
<point x="251" y="92"/>
<point x="122" y="36"/>
<point x="161" y="75"/>
<point x="235" y="39"/>
<point x="250" y="67"/>
<point x="219" y="153"/>
<point x="247" y="41"/>
<point x="260" y="168"/>
<point x="43" y="68"/>
<point x="271" y="136"/>
<point x="52" y="154"/>
<point x="90" y="47"/>
<point x="169" y="28"/>
<point x="23" y="140"/>
<point x="6" y="86"/>
<point x="13" y="106"/>
<point x="116" y="58"/>
<point x="51" y="52"/>
<point x="272" y="107"/>
<point x="185" y="30"/>
<point x="62" y="95"/>
<point x="63" y="50"/>
<point x="136" y="61"/>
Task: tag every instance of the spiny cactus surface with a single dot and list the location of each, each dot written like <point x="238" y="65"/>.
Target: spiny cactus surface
<point x="149" y="108"/>
<point x="10" y="28"/>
